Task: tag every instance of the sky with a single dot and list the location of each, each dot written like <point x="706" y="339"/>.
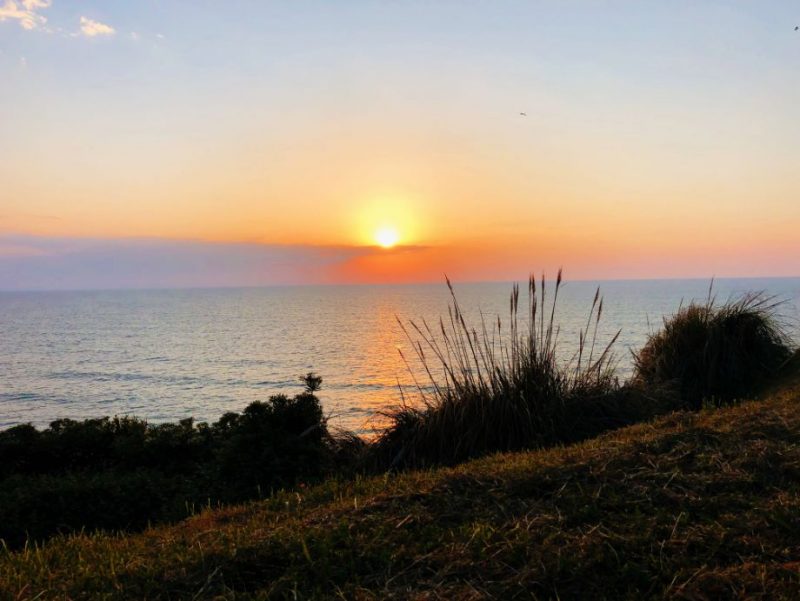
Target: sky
<point x="163" y="143"/>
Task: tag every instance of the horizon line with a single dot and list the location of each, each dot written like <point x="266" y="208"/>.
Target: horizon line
<point x="389" y="284"/>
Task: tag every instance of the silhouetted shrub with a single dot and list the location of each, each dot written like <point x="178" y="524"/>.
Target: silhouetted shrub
<point x="122" y="473"/>
<point x="100" y="444"/>
<point x="271" y="444"/>
<point x="714" y="353"/>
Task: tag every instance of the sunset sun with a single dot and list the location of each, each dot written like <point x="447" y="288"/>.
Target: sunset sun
<point x="387" y="237"/>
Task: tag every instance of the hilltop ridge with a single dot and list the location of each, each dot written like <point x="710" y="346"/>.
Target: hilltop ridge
<point x="692" y="505"/>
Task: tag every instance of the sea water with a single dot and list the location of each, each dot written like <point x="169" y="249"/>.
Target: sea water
<point x="165" y="355"/>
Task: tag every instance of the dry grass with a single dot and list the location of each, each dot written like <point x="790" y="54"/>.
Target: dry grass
<point x="701" y="505"/>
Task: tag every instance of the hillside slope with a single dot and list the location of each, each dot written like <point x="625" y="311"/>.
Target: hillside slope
<point x="694" y="506"/>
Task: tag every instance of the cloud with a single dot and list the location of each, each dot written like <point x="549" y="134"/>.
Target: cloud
<point x="19" y="250"/>
<point x="25" y="12"/>
<point x="29" y="16"/>
<point x="91" y="28"/>
<point x="40" y="262"/>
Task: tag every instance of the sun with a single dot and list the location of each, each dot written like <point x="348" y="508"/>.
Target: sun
<point x="387" y="236"/>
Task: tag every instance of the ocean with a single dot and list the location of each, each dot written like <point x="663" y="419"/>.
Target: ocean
<point x="165" y="355"/>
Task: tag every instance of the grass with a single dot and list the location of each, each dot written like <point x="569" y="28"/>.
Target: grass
<point x="488" y="388"/>
<point x="714" y="353"/>
<point x="695" y="505"/>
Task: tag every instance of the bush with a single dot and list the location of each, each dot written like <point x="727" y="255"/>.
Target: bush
<point x="122" y="473"/>
<point x="270" y="445"/>
<point x="714" y="353"/>
<point x="491" y="391"/>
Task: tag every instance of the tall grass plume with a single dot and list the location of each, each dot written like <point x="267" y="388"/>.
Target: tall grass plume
<point x="489" y="388"/>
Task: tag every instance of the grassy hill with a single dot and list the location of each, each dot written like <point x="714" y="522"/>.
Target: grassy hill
<point x="692" y="506"/>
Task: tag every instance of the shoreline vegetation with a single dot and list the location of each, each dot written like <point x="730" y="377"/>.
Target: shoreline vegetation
<point x="498" y="424"/>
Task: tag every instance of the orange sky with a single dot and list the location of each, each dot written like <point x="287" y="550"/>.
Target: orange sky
<point x="656" y="143"/>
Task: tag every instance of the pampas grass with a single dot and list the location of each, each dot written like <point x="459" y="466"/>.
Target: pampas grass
<point x="490" y="388"/>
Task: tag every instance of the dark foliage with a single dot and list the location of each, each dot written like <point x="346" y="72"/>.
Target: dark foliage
<point x="123" y="473"/>
<point x="715" y="354"/>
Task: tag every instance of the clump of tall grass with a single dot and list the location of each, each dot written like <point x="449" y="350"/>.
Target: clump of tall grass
<point x="714" y="353"/>
<point x="490" y="388"/>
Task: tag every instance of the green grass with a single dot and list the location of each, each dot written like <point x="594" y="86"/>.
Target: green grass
<point x="695" y="505"/>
